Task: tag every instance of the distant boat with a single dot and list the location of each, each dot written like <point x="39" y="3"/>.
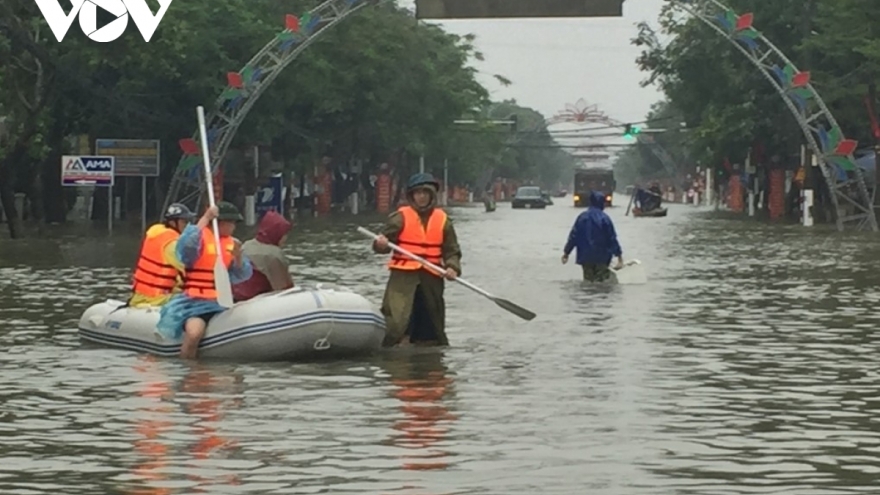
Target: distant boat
<point x="659" y="212"/>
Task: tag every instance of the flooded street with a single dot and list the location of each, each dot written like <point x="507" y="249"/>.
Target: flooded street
<point x="746" y="365"/>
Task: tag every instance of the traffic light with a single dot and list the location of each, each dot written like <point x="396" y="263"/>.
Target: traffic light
<point x="631" y="130"/>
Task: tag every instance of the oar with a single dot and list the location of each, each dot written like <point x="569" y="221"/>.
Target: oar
<point x="631" y="198"/>
<point x="221" y="276"/>
<point x="502" y="303"/>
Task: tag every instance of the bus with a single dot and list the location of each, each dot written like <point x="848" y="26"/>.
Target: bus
<point x="589" y="180"/>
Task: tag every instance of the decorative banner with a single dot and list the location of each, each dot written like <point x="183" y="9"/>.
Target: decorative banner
<point x="735" y="199"/>
<point x="776" y="199"/>
<point x="323" y="191"/>
<point x="383" y="193"/>
<point x="270" y="197"/>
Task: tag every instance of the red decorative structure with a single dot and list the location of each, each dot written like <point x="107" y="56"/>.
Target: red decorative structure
<point x="744" y="21"/>
<point x="776" y="198"/>
<point x="291" y="23"/>
<point x="383" y="193"/>
<point x="800" y="80"/>
<point x="234" y="79"/>
<point x="735" y="199"/>
<point x="189" y="146"/>
<point x="323" y="193"/>
<point x="846" y="147"/>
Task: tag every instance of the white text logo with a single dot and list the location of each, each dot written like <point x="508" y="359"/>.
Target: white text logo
<point x="87" y="10"/>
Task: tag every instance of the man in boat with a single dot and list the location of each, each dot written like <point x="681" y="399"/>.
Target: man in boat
<point x="650" y="199"/>
<point x="157" y="274"/>
<point x="414" y="309"/>
<point x="271" y="272"/>
<point x="187" y="314"/>
<point x="596" y="241"/>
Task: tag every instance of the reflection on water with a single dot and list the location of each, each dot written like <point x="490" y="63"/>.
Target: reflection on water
<point x="203" y="396"/>
<point x="211" y="396"/>
<point x="152" y="421"/>
<point x="423" y="385"/>
<point x="747" y="365"/>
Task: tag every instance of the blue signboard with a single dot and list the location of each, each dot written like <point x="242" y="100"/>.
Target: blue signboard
<point x="77" y="170"/>
<point x="270" y="197"/>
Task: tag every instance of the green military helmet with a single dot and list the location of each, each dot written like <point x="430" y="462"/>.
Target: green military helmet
<point x="228" y="212"/>
<point x="422" y="180"/>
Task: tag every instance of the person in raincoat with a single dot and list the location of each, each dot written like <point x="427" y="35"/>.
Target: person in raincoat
<point x="187" y="314"/>
<point x="596" y="241"/>
<point x="158" y="273"/>
<point x="414" y="309"/>
<point x="271" y="272"/>
<point x="649" y="199"/>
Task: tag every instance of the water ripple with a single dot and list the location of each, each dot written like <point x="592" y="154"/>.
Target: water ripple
<point x="747" y="365"/>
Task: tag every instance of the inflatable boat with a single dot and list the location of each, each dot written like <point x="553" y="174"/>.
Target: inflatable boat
<point x="291" y="325"/>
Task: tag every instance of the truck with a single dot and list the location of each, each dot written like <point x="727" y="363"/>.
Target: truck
<point x="589" y="180"/>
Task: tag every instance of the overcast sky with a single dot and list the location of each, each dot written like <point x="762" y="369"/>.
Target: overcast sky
<point x="554" y="62"/>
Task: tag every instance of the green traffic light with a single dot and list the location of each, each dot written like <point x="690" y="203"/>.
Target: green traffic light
<point x="631" y="130"/>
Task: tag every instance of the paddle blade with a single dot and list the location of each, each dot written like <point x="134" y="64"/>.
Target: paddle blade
<point x="222" y="284"/>
<point x="633" y="273"/>
<point x="515" y="309"/>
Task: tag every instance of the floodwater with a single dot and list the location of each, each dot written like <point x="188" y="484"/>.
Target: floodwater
<point x="746" y="365"/>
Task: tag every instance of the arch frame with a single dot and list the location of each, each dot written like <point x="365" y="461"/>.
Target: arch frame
<point x="244" y="88"/>
<point x="821" y="130"/>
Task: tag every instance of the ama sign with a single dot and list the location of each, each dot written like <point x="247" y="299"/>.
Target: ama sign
<point x="87" y="170"/>
<point x="87" y="11"/>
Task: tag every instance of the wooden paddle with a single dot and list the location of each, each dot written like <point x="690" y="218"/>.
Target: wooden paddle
<point x="221" y="275"/>
<point x="502" y="303"/>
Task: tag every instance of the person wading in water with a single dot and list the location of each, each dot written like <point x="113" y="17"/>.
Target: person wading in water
<point x="596" y="241"/>
<point x="414" y="308"/>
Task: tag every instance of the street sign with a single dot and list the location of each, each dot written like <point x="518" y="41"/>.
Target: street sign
<point x="498" y="9"/>
<point x="78" y="171"/>
<point x="270" y="197"/>
<point x="134" y="157"/>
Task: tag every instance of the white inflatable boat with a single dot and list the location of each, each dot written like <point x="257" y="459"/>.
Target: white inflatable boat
<point x="291" y="325"/>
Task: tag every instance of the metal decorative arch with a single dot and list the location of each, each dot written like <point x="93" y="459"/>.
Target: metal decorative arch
<point x="243" y="90"/>
<point x="822" y="132"/>
<point x="583" y="112"/>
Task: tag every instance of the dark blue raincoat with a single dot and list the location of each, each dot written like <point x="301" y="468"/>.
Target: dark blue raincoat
<point x="593" y="235"/>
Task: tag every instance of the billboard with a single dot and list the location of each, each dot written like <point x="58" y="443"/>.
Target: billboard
<point x="498" y="9"/>
<point x="134" y="157"/>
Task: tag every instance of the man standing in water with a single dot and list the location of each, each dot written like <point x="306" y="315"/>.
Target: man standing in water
<point x="414" y="308"/>
<point x="596" y="241"/>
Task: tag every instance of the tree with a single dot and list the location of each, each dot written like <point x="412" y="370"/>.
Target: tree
<point x="378" y="87"/>
<point x="726" y="103"/>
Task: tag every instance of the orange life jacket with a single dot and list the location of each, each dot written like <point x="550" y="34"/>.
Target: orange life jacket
<point x="426" y="242"/>
<point x="153" y="275"/>
<point x="198" y="280"/>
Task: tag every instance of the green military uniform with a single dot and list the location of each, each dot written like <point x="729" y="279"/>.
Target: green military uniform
<point x="596" y="273"/>
<point x="418" y="290"/>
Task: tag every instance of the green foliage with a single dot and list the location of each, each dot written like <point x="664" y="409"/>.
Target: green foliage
<point x="378" y="85"/>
